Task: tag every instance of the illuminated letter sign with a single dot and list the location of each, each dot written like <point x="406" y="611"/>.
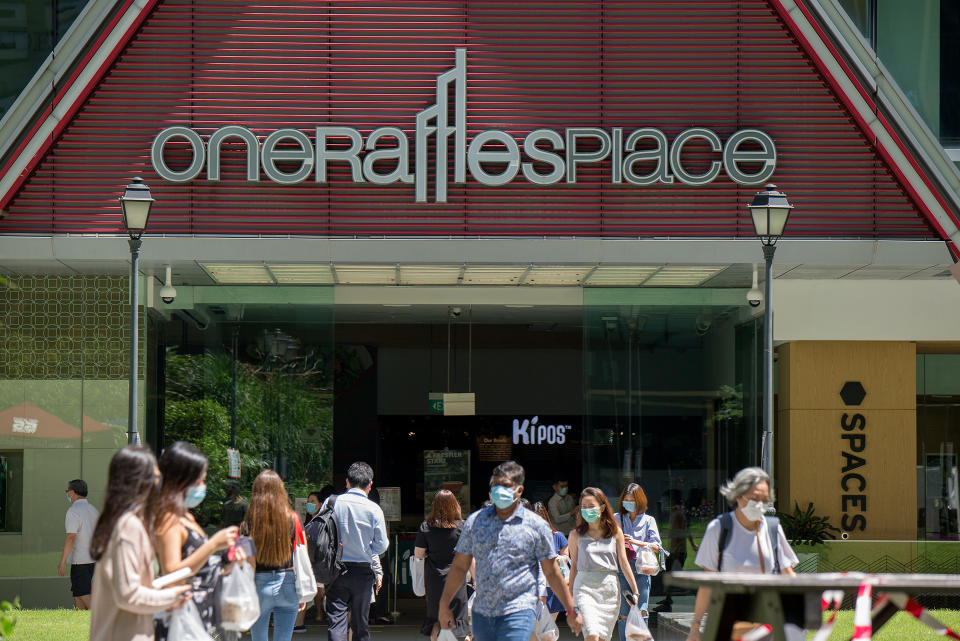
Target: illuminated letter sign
<point x="642" y="157"/>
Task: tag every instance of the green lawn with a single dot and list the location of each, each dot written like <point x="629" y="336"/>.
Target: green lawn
<point x="51" y="625"/>
<point x="902" y="627"/>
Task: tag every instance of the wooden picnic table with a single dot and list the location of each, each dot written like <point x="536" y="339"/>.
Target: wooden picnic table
<point x="776" y="599"/>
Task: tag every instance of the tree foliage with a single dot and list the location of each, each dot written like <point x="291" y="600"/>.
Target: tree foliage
<point x="282" y="413"/>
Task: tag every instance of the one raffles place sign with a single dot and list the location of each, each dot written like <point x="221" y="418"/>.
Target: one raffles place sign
<point x="640" y="157"/>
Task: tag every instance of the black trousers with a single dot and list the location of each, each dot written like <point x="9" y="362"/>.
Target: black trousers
<point x="350" y="594"/>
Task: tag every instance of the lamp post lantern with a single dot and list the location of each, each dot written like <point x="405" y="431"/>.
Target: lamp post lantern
<point x="136" y="203"/>
<point x="770" y="211"/>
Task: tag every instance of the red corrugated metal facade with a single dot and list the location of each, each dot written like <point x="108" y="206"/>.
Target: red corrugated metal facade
<point x="671" y="65"/>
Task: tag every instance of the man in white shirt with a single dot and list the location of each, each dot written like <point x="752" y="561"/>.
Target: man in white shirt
<point x="80" y="522"/>
<point x="562" y="507"/>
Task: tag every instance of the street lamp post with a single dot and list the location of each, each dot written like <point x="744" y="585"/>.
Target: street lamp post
<point x="136" y="203"/>
<point x="769" y="211"/>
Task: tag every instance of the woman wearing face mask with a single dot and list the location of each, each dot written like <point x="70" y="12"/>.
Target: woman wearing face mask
<point x="181" y="542"/>
<point x="597" y="552"/>
<point x="312" y="509"/>
<point x="639" y="531"/>
<point x="748" y="545"/>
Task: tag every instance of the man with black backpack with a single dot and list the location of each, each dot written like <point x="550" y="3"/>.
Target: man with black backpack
<point x="355" y="529"/>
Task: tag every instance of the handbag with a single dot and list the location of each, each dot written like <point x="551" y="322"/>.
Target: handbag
<point x="446" y="635"/>
<point x="416" y="576"/>
<point x="636" y="628"/>
<point x="648" y="562"/>
<point x="239" y="603"/>
<point x="306" y="582"/>
<point x="545" y="628"/>
<point x="186" y="624"/>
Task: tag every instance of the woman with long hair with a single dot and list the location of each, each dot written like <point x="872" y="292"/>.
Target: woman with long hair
<point x="435" y="543"/>
<point x="181" y="542"/>
<point x="554" y="605"/>
<point x="270" y="523"/>
<point x="596" y="554"/>
<point x="123" y="599"/>
<point x="639" y="531"/>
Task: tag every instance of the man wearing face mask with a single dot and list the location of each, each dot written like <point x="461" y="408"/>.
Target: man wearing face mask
<point x="562" y="507"/>
<point x="511" y="546"/>
<point x="743" y="540"/>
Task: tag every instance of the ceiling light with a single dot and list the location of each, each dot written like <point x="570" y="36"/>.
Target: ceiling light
<point x="556" y="275"/>
<point x="619" y="276"/>
<point x="302" y="274"/>
<point x="430" y="274"/>
<point x="366" y="274"/>
<point x="229" y="274"/>
<point x="493" y="274"/>
<point x="682" y="275"/>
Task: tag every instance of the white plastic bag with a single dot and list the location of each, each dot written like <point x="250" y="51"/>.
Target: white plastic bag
<point x="563" y="562"/>
<point x="647" y="561"/>
<point x="636" y="628"/>
<point x="545" y="628"/>
<point x="186" y="624"/>
<point x="305" y="579"/>
<point x="470" y="609"/>
<point x="416" y="576"/>
<point x="239" y="603"/>
<point x="446" y="635"/>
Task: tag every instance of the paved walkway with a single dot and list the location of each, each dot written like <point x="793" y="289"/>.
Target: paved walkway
<point x="408" y="627"/>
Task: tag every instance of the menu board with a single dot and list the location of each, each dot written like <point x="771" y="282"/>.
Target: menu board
<point x="446" y="470"/>
<point x="390" y="502"/>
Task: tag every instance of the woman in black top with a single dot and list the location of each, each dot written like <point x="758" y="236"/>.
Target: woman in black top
<point x="435" y="542"/>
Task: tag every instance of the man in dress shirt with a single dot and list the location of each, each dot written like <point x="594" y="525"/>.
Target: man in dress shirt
<point x="511" y="546"/>
<point x="363" y="534"/>
<point x="80" y="522"/>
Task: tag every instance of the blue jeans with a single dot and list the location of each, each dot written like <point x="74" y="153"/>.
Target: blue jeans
<point x="517" y="626"/>
<point x="278" y="594"/>
<point x="643" y="587"/>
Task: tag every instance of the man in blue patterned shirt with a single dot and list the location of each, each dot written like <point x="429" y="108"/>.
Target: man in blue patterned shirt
<point x="511" y="545"/>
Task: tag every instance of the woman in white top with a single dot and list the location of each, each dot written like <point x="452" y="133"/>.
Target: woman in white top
<point x="596" y="554"/>
<point x="639" y="531"/>
<point x="748" y="547"/>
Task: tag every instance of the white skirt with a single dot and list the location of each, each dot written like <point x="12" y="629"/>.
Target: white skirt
<point x="597" y="594"/>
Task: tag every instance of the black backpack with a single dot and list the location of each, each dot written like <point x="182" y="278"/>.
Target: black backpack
<point x="323" y="544"/>
<point x="726" y="527"/>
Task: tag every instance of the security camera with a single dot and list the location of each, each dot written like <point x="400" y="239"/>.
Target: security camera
<point x="755" y="296"/>
<point x="168" y="292"/>
<point x="454" y="312"/>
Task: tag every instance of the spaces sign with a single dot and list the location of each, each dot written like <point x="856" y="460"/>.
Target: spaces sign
<point x="853" y="482"/>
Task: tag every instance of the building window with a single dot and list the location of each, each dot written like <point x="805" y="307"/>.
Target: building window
<point x="11" y="491"/>
<point x="938" y="446"/>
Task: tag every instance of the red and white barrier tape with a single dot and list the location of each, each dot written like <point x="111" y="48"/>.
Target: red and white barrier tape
<point x="921" y="614"/>
<point x="759" y="632"/>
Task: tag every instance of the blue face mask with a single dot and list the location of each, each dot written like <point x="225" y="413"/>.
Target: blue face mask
<point x="311" y="508"/>
<point x="630" y="506"/>
<point x="590" y="514"/>
<point x="69" y="502"/>
<point x="195" y="495"/>
<point x="502" y="497"/>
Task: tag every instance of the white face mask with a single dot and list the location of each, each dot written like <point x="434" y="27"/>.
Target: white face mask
<point x="754" y="510"/>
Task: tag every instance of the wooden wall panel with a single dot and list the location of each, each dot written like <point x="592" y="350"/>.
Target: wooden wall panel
<point x="814" y="457"/>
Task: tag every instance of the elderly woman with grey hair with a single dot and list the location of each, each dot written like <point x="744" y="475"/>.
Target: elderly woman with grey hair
<point x="749" y="542"/>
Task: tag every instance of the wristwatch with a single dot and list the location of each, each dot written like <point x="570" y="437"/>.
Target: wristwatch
<point x="575" y="611"/>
